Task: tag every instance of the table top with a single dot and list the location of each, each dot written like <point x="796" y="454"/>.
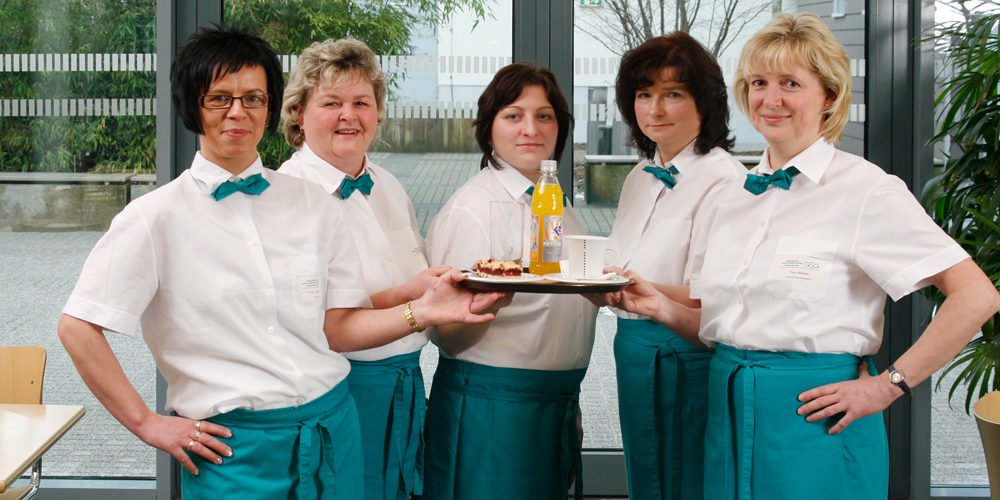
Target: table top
<point x="27" y="432"/>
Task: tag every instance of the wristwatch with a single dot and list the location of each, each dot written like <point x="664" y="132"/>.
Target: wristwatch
<point x="897" y="377"/>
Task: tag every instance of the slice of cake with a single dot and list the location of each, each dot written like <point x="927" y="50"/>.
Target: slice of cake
<point x="490" y="268"/>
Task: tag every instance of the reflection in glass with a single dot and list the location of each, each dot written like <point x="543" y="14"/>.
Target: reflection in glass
<point x="77" y="142"/>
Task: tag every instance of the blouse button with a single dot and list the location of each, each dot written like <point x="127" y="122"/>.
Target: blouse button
<point x="251" y="243"/>
<point x="745" y="262"/>
<point x="762" y="223"/>
<point x="368" y="220"/>
<point x="266" y="284"/>
<point x="388" y="258"/>
<point x="404" y="340"/>
<point x="270" y="329"/>
<point x="300" y="401"/>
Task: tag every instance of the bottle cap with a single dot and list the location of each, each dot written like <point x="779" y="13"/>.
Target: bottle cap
<point x="550" y="166"/>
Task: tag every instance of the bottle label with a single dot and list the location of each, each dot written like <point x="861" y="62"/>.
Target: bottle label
<point x="552" y="238"/>
<point x="533" y="247"/>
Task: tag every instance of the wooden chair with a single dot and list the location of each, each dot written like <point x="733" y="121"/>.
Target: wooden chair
<point x="22" y="370"/>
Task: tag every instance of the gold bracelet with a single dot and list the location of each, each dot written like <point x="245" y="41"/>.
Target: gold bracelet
<point x="409" y="319"/>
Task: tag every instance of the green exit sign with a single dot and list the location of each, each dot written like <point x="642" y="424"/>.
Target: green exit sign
<point x="590" y="3"/>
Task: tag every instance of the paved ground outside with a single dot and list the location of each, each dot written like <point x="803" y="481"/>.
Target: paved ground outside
<point x="38" y="272"/>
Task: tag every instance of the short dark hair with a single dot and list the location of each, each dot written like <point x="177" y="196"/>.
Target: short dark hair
<point x="695" y="68"/>
<point x="213" y="53"/>
<point x="506" y="88"/>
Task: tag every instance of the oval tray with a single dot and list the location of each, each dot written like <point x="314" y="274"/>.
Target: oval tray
<point x="543" y="286"/>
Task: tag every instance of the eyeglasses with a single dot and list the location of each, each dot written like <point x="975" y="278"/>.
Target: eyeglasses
<point x="226" y="101"/>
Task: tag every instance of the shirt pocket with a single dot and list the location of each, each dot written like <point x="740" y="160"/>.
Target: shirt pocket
<point x="406" y="245"/>
<point x="801" y="269"/>
<point x="307" y="284"/>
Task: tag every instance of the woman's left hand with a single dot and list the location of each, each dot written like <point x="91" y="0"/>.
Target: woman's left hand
<point x="446" y="303"/>
<point x="423" y="281"/>
<point x="856" y="399"/>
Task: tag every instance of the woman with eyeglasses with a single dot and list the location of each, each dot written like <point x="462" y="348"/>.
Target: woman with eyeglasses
<point x="245" y="282"/>
<point x="792" y="270"/>
<point x="333" y="105"/>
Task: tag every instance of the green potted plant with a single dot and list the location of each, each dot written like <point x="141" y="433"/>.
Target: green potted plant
<point x="965" y="197"/>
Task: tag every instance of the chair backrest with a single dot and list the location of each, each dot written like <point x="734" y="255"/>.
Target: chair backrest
<point x="22" y="369"/>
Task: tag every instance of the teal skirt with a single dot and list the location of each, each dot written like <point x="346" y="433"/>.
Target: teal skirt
<point x="306" y="452"/>
<point x="391" y="405"/>
<point x="502" y="433"/>
<point x="758" y="447"/>
<point x="663" y="407"/>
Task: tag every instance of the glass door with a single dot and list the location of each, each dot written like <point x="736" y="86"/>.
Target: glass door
<point x="77" y="142"/>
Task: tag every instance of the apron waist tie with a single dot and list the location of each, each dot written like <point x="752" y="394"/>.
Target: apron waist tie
<point x="407" y="381"/>
<point x="309" y="462"/>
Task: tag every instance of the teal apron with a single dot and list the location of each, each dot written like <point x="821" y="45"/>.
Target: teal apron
<point x="757" y="446"/>
<point x="502" y="433"/>
<point x="306" y="452"/>
<point x="663" y="405"/>
<point x="391" y="404"/>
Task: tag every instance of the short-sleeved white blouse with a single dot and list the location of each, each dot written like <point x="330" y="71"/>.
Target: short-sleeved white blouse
<point x="231" y="294"/>
<point x="807" y="269"/>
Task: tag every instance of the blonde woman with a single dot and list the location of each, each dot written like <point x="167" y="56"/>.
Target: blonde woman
<point x="332" y="109"/>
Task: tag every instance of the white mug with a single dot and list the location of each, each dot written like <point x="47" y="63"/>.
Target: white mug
<point x="587" y="256"/>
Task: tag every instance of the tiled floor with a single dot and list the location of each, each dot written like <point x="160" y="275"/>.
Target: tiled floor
<point x="38" y="271"/>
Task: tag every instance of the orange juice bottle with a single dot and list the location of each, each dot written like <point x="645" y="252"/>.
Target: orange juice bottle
<point x="546" y="222"/>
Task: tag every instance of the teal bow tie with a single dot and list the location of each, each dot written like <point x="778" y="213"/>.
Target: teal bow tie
<point x="348" y="186"/>
<point x="255" y="184"/>
<point x="757" y="184"/>
<point x="531" y="191"/>
<point x="664" y="174"/>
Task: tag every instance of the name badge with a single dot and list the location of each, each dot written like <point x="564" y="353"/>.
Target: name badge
<point x="800" y="268"/>
<point x="309" y="288"/>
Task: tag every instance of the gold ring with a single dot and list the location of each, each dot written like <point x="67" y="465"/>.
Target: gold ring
<point x="191" y="444"/>
<point x="196" y="436"/>
<point x="197" y="426"/>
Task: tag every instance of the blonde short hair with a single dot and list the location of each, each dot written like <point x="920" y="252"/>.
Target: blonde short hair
<point x="804" y="39"/>
<point x="328" y="64"/>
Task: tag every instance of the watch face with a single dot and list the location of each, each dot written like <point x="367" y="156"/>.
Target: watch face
<point x="895" y="376"/>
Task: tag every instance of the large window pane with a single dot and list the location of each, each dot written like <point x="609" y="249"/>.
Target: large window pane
<point x="437" y="68"/>
<point x="957" y="456"/>
<point x="602" y="157"/>
<point x="77" y="132"/>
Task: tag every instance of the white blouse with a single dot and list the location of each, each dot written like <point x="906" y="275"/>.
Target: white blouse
<point x="652" y="231"/>
<point x="807" y="269"/>
<point x="231" y="294"/>
<point x="536" y="331"/>
<point x="384" y="229"/>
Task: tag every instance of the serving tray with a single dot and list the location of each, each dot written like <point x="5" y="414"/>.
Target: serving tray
<point x="540" y="286"/>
